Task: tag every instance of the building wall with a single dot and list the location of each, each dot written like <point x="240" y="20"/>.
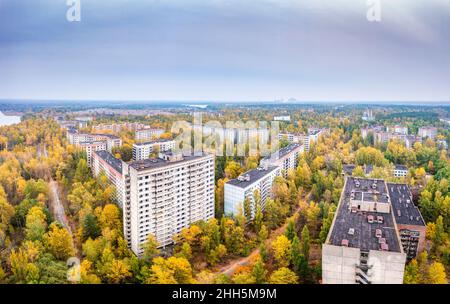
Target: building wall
<point x="165" y="200"/>
<point x="339" y="265"/>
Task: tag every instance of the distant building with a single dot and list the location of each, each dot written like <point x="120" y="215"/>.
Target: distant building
<point x="148" y="134"/>
<point x="400" y="171"/>
<point x="237" y="190"/>
<point x="118" y="127"/>
<point x="410" y="224"/>
<point x="368" y="115"/>
<point x="408" y="140"/>
<point x="282" y="118"/>
<point x="398" y="129"/>
<point x="143" y="150"/>
<point x="430" y="132"/>
<point x="306" y="139"/>
<point x="93" y="142"/>
<point x="285" y="158"/>
<point x="363" y="245"/>
<point x="365" y="131"/>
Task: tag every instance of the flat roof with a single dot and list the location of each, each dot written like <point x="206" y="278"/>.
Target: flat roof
<point x="150" y="142"/>
<point x="153" y="163"/>
<point x="401" y="167"/>
<point x="254" y="174"/>
<point x="110" y="160"/>
<point x="285" y="151"/>
<point x="406" y="213"/>
<point x="363" y="236"/>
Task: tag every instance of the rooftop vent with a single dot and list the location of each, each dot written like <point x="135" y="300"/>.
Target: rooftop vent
<point x="381" y="241"/>
<point x="244" y="178"/>
<point x="399" y="212"/>
<point x="378" y="233"/>
<point x="380" y="219"/>
<point x="384" y="247"/>
<point x="370" y="219"/>
<point x="345" y="242"/>
<point x="351" y="231"/>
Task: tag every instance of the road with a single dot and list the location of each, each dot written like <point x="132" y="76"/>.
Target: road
<point x="57" y="207"/>
<point x="55" y="204"/>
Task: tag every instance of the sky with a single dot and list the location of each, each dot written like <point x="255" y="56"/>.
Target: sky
<point x="225" y="50"/>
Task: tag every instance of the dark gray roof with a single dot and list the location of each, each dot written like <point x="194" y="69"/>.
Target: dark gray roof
<point x="286" y="150"/>
<point x="106" y="135"/>
<point x="153" y="163"/>
<point x="406" y="213"/>
<point x="348" y="169"/>
<point x="401" y="167"/>
<point x="255" y="175"/>
<point x="111" y="160"/>
<point x="152" y="142"/>
<point x="364" y="233"/>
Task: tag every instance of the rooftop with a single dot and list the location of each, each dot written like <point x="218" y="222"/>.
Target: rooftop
<point x="110" y="160"/>
<point x="253" y="176"/>
<point x="359" y="229"/>
<point x="285" y="151"/>
<point x="153" y="163"/>
<point x="401" y="167"/>
<point x="151" y="142"/>
<point x="405" y="212"/>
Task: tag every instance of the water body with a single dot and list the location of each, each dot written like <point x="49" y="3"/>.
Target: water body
<point x="8" y="120"/>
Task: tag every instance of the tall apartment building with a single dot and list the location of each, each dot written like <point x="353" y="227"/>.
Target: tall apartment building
<point x="430" y="132"/>
<point x="285" y="158"/>
<point x="363" y="245"/>
<point x="237" y="190"/>
<point x="90" y="147"/>
<point x="165" y="195"/>
<point x="143" y="150"/>
<point x="410" y="223"/>
<point x="148" y="134"/>
<point x="105" y="162"/>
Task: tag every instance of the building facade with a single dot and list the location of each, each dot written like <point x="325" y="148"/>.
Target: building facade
<point x="148" y="134"/>
<point x="285" y="158"/>
<point x="237" y="190"/>
<point x="165" y="195"/>
<point x="143" y="150"/>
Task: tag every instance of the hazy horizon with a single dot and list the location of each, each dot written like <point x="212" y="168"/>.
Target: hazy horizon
<point x="315" y="51"/>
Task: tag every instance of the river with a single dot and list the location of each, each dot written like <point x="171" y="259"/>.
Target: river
<point x="8" y="120"/>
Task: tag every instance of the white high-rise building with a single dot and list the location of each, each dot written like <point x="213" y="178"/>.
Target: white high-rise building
<point x="143" y="150"/>
<point x="236" y="190"/>
<point x="148" y="134"/>
<point x="286" y="158"/>
<point x="165" y="195"/>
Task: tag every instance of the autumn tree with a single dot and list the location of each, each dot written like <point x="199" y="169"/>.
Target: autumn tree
<point x="59" y="242"/>
<point x="281" y="248"/>
<point x="283" y="276"/>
